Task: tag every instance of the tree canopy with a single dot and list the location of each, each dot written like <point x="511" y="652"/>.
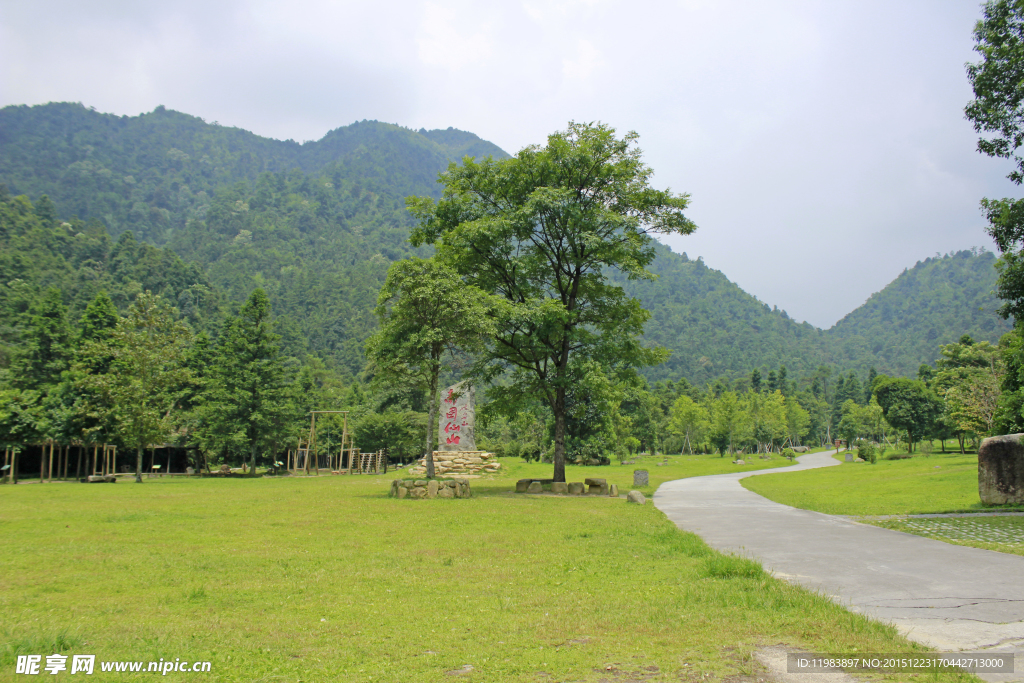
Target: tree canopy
<point x="541" y="231"/>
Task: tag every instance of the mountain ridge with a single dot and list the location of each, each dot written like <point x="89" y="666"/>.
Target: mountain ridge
<point x="316" y="224"/>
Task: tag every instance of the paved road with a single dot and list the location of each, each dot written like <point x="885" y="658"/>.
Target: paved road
<point x="946" y="596"/>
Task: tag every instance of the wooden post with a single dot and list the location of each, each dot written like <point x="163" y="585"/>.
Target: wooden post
<point x="309" y="441"/>
<point x="95" y="457"/>
<point x="344" y="437"/>
<point x="114" y="459"/>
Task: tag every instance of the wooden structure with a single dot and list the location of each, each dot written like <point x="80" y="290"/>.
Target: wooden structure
<point x="345" y="460"/>
<point x="306" y="458"/>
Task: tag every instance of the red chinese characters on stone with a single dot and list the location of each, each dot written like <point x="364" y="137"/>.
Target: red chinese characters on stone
<point x="452" y="438"/>
<point x="452" y="427"/>
<point x="452" y="413"/>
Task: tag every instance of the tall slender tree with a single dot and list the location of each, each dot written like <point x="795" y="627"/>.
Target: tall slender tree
<point x="248" y="404"/>
<point x="427" y="314"/>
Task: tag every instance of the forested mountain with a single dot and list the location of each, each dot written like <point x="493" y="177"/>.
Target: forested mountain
<point x="153" y="172"/>
<point x="317" y="224"/>
<point x="39" y="251"/>
<point x="932" y="303"/>
<point x="715" y="329"/>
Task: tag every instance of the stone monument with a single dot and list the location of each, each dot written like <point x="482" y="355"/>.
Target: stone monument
<point x="455" y="423"/>
<point x="456" y="452"/>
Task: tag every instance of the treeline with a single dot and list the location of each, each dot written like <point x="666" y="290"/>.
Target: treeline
<point x="147" y="379"/>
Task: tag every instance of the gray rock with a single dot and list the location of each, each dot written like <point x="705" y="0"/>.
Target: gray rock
<point x="576" y="488"/>
<point x="1001" y="470"/>
<point x="534" y="487"/>
<point x="849" y="457"/>
<point x="446" y="493"/>
<point x="613" y="490"/>
<point x="432" y="489"/>
<point x="641" y="478"/>
<point x="799" y="449"/>
<point x="635" y="497"/>
<point x="559" y="487"/>
<point x="739" y="462"/>
<point x="522" y="485"/>
<point x="420" y="482"/>
<point x="594" y="482"/>
<point x="402" y="492"/>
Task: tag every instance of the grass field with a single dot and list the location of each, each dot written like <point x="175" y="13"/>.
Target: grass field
<point x="327" y="579"/>
<point x="941" y="482"/>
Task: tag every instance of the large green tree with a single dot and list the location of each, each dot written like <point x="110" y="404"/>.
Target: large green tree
<point x="907" y="404"/>
<point x="145" y="375"/>
<point x="543" y="231"/>
<point x="427" y="314"/>
<point x="248" y="404"/>
<point x="998" y="112"/>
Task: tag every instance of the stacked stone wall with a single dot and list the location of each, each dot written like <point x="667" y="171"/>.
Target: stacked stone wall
<point x="459" y="462"/>
<point x="430" y="488"/>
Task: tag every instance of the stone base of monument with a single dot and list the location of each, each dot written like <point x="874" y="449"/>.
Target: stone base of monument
<point x="430" y="488"/>
<point x="593" y="487"/>
<point x="1001" y="470"/>
<point x="459" y="462"/>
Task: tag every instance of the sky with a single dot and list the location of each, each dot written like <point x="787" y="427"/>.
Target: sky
<point x="823" y="144"/>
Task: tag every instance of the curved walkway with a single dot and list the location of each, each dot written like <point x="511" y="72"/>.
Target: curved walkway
<point x="946" y="596"/>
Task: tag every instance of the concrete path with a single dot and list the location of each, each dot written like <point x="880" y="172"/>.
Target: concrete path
<point x="946" y="596"/>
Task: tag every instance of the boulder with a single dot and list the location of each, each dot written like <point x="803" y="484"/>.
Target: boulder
<point x="613" y="490"/>
<point x="640" y="478"/>
<point x="446" y="493"/>
<point x="849" y="457"/>
<point x="594" y="482"/>
<point x="635" y="497"/>
<point x="535" y="487"/>
<point x="739" y="462"/>
<point x="402" y="492"/>
<point x="1001" y="470"/>
<point x="799" y="449"/>
<point x="432" y="487"/>
<point x="559" y="487"/>
<point x="576" y="488"/>
<point x="522" y="485"/>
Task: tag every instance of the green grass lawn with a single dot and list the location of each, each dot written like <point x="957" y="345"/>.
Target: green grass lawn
<point x="941" y="482"/>
<point x="328" y="579"/>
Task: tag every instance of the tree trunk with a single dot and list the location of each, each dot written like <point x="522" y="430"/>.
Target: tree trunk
<point x="252" y="460"/>
<point x="428" y="455"/>
<point x="138" y="464"/>
<point x="559" y="410"/>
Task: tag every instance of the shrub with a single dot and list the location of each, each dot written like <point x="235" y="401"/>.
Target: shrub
<point x="867" y="451"/>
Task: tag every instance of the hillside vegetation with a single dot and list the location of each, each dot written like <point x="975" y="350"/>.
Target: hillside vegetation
<point x="317" y="224"/>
